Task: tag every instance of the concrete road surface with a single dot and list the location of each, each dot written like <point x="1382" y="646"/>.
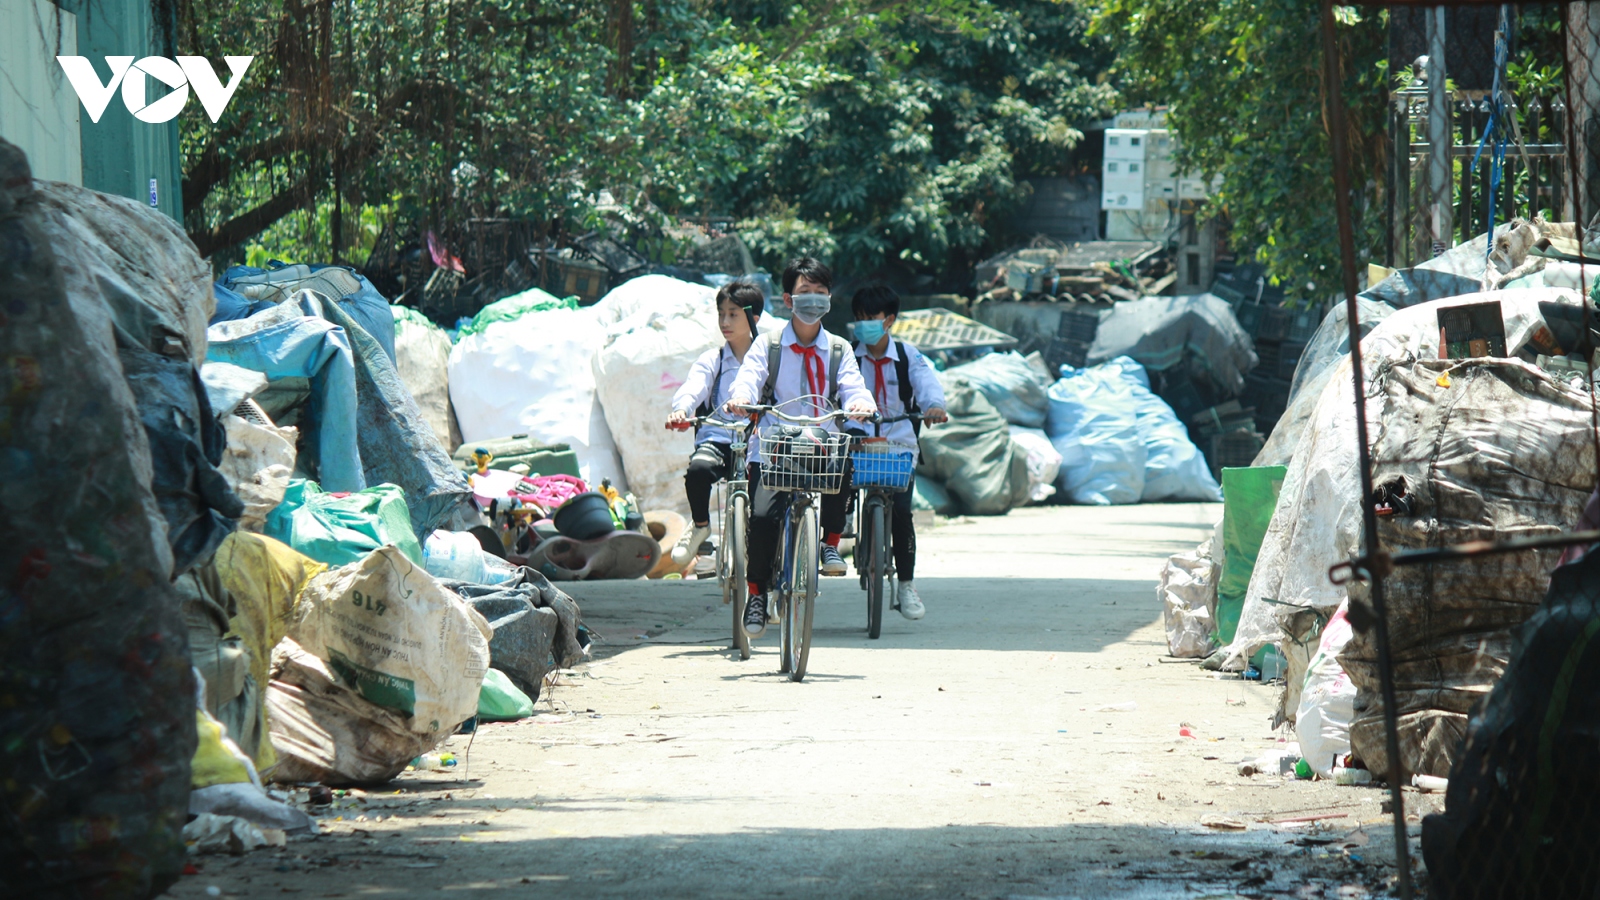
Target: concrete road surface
<point x="1021" y="741"/>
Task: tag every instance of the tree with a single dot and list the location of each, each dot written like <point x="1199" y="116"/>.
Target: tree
<point x="1244" y="84"/>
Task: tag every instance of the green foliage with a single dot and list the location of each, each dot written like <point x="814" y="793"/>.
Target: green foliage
<point x="865" y="130"/>
<point x="1244" y="78"/>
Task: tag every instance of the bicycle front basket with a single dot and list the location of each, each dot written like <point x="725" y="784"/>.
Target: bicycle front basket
<point x="883" y="464"/>
<point x="804" y="459"/>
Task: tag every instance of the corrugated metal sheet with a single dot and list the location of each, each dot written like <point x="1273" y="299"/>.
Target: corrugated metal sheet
<point x="38" y="109"/>
<point x="122" y="155"/>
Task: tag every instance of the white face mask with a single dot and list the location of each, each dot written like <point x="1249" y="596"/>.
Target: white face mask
<point x="810" y="308"/>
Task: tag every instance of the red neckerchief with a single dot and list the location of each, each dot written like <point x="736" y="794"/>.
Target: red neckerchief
<point x="879" y="391"/>
<point x="816" y="373"/>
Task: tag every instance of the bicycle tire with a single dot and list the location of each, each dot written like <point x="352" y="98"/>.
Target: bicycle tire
<point x="875" y="566"/>
<point x="780" y="595"/>
<point x="803" y="598"/>
<point x="737" y="581"/>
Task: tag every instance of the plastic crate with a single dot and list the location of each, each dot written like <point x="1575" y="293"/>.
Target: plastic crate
<point x="1303" y="324"/>
<point x="1267" y="356"/>
<point x="1249" y="317"/>
<point x="1235" y="449"/>
<point x="1079" y="325"/>
<point x="1289" y="353"/>
<point x="883" y="464"/>
<point x="1274" y="324"/>
<point x="1070" y="353"/>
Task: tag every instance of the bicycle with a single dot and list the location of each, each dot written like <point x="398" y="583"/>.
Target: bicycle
<point x="805" y="466"/>
<point x="880" y="469"/>
<point x="735" y="497"/>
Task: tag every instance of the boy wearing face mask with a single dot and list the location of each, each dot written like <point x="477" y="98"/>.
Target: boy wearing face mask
<point x="801" y="360"/>
<point x="739" y="305"/>
<point x="901" y="381"/>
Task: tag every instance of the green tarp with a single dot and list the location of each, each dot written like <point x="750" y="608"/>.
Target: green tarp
<point x="1249" y="495"/>
<point x="339" y="529"/>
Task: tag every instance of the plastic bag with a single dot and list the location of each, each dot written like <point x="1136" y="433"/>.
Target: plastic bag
<point x="500" y="701"/>
<point x="340" y="529"/>
<point x="974" y="456"/>
<point x="1044" y="463"/>
<point x="1250" y="496"/>
<point x="458" y="556"/>
<point x="324" y="731"/>
<point x="1327" y="702"/>
<point x="422" y="360"/>
<point x="1095" y="427"/>
<point x="395" y="636"/>
<point x="1174" y="468"/>
<point x="1010" y="384"/>
<point x="1187" y="592"/>
<point x="257" y="464"/>
<point x="534" y="375"/>
<point x="664" y="326"/>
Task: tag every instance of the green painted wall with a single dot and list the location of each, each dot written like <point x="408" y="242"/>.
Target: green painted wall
<point x="120" y="153"/>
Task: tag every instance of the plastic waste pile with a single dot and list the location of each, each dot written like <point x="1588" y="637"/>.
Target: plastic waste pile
<point x="1120" y="443"/>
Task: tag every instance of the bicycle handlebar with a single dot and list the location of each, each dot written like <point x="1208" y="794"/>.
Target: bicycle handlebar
<point x="711" y="419"/>
<point x="834" y="416"/>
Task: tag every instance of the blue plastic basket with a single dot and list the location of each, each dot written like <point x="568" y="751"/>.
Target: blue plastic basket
<point x="884" y="464"/>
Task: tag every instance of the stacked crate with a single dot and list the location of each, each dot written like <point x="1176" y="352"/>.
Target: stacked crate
<point x="1227" y="434"/>
<point x="1080" y="322"/>
<point x="1280" y="335"/>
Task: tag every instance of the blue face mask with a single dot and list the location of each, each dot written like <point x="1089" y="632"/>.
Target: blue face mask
<point x="869" y="331"/>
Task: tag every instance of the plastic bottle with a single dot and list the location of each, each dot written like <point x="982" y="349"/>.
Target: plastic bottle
<point x="453" y="555"/>
<point x="1341" y="775"/>
<point x="497" y="570"/>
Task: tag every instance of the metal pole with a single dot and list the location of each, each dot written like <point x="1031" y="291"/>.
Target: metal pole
<point x="1333" y="85"/>
<point x="1440" y="141"/>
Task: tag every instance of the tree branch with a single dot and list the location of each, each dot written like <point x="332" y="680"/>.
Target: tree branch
<point x="249" y="224"/>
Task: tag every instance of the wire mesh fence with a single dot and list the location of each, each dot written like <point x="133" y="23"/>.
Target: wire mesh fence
<point x="1477" y="607"/>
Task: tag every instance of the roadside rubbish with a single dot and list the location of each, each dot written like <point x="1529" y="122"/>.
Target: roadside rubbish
<point x="973" y="456"/>
<point x="103" y="793"/>
<point x="325" y="732"/>
<point x="1187" y="592"/>
<point x="422" y="360"/>
<point x="618" y="554"/>
<point x="536" y="627"/>
<point x="264" y="288"/>
<point x="500" y="700"/>
<point x="1327" y="701"/>
<point x="1350" y="777"/>
<point x="1174" y="469"/>
<point x="533" y="374"/>
<point x="1124" y="706"/>
<point x="507" y="453"/>
<point x="1044" y="463"/>
<point x="458" y="556"/>
<point x="1010" y="384"/>
<point x="211" y="833"/>
<point x="1521" y="823"/>
<point x="342" y="528"/>
<point x="585" y="517"/>
<point x="387" y="629"/>
<point x="655" y="327"/>
<point x="1280" y="762"/>
<point x="1250" y="495"/>
<point x="1197" y="334"/>
<point x="1095" y="427"/>
<point x="433" y="762"/>
<point x="1530" y="441"/>
<point x="257" y="464"/>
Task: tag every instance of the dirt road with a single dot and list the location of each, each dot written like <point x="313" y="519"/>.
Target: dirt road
<point x="1021" y="741"/>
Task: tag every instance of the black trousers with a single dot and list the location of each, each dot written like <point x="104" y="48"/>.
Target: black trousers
<point x="902" y="534"/>
<point x="767" y="509"/>
<point x="707" y="466"/>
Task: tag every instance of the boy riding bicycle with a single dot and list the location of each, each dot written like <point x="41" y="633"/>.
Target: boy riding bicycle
<point x="739" y="305"/>
<point x="801" y="361"/>
<point x="901" y="381"/>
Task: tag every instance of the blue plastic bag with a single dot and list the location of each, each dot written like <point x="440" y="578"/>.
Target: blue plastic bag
<point x="1093" y="425"/>
<point x="1008" y="382"/>
<point x="1174" y="468"/>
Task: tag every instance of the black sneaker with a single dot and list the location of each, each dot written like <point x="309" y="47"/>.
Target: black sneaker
<point x="832" y="562"/>
<point x="755" y="615"/>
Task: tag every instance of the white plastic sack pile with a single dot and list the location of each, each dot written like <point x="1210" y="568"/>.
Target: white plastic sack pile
<point x="1094" y="426"/>
<point x="534" y="375"/>
<point x="1317" y="520"/>
<point x="422" y="357"/>
<point x="1327" y="702"/>
<point x="387" y="629"/>
<point x="1010" y="384"/>
<point x="1044" y="463"/>
<point x="1174" y="468"/>
<point x="1188" y="593"/>
<point x="655" y="328"/>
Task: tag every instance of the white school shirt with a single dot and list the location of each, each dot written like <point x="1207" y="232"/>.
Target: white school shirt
<point x="925" y="388"/>
<point x="792" y="381"/>
<point x="697" y="387"/>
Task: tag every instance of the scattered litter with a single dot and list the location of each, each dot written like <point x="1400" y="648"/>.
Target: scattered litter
<point x="1124" y="706"/>
<point x="1223" y="823"/>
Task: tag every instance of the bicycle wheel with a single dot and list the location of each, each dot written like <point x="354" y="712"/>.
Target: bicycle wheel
<point x="874" y="542"/>
<point x="737" y="515"/>
<point x="783" y="567"/>
<point x="803" y="595"/>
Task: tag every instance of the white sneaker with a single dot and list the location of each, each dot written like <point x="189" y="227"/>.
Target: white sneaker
<point x="688" y="546"/>
<point x="910" y="603"/>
